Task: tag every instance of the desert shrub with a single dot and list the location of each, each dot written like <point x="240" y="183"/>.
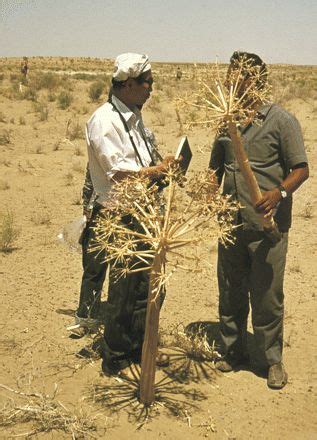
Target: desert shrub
<point x="29" y="93"/>
<point x="47" y="80"/>
<point x="84" y="76"/>
<point x="74" y="131"/>
<point x="51" y="97"/>
<point x="14" y="77"/>
<point x="5" y="137"/>
<point x="8" y="232"/>
<point x="64" y="100"/>
<point x="42" y="110"/>
<point x="95" y="90"/>
<point x="67" y="83"/>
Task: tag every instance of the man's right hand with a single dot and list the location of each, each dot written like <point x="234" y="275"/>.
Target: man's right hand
<point x="169" y="161"/>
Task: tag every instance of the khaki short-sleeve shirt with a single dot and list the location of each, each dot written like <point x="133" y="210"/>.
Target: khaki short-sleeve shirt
<point x="274" y="145"/>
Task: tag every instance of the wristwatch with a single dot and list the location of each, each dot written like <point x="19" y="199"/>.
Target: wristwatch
<point x="282" y="191"/>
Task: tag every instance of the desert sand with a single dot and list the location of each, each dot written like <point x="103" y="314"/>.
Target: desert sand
<point x="42" y="164"/>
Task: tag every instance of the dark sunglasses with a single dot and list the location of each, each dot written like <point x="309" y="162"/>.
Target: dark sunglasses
<point x="148" y="81"/>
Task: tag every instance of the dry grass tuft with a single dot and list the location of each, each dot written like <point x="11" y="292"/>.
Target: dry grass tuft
<point x="46" y="414"/>
<point x="5" y="137"/>
<point x="195" y="344"/>
<point x="8" y="232"/>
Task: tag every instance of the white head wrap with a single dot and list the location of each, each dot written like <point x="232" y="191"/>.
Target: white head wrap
<point x="130" y="65"/>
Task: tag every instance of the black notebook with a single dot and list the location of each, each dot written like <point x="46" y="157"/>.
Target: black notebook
<point x="185" y="152"/>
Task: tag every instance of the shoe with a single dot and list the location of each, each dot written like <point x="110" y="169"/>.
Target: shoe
<point x="83" y="327"/>
<point x="91" y="324"/>
<point x="77" y="331"/>
<point x="229" y="363"/>
<point x="162" y="359"/>
<point x="113" y="368"/>
<point x="277" y="376"/>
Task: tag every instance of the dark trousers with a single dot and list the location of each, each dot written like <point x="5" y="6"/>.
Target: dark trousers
<point x="252" y="271"/>
<point x="94" y="273"/>
<point x="126" y="303"/>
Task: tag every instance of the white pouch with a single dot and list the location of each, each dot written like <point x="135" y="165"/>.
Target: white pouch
<point x="72" y="233"/>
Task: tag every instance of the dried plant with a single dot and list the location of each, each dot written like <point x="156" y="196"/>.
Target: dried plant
<point x="8" y="232"/>
<point x="5" y="137"/>
<point x="74" y="130"/>
<point x="205" y="214"/>
<point x="191" y="355"/>
<point x="46" y="414"/>
<point x="231" y="99"/>
<point x="231" y="103"/>
<point x="196" y="345"/>
<point x="142" y="235"/>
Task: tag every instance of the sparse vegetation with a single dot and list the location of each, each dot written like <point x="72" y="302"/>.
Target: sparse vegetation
<point x="41" y="109"/>
<point x="43" y="193"/>
<point x="95" y="91"/>
<point x="64" y="100"/>
<point x="74" y="130"/>
<point x="8" y="232"/>
<point x="5" y="137"/>
<point x="46" y="414"/>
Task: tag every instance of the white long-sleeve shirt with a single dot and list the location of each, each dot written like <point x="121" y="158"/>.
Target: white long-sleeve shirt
<point x="110" y="149"/>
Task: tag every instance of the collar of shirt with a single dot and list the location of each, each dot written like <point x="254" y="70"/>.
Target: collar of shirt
<point x="131" y="117"/>
<point x="264" y="109"/>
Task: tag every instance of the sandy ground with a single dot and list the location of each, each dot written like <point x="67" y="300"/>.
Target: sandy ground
<point x="40" y="280"/>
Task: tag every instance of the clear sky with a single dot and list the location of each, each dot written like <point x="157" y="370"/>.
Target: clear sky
<point x="281" y="31"/>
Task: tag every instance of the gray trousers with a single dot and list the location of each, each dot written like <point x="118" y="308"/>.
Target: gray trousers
<point x="251" y="271"/>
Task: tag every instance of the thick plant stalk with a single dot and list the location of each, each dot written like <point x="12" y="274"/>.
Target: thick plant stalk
<point x="268" y="223"/>
<point x="149" y="349"/>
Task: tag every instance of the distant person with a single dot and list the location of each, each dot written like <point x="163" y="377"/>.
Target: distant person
<point x="117" y="146"/>
<point x="24" y="68"/>
<point x="179" y="73"/>
<point x="251" y="271"/>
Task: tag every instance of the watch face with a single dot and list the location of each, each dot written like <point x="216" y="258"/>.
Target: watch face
<point x="284" y="194"/>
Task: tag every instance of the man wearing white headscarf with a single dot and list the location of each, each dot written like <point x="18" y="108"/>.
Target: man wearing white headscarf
<point x="118" y="145"/>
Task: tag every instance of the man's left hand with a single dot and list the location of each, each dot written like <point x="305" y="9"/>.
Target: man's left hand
<point x="268" y="201"/>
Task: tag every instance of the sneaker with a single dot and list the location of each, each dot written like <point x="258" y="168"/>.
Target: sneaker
<point x="230" y="362"/>
<point x="77" y="331"/>
<point x="83" y="326"/>
<point x="90" y="323"/>
<point x="277" y="376"/>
